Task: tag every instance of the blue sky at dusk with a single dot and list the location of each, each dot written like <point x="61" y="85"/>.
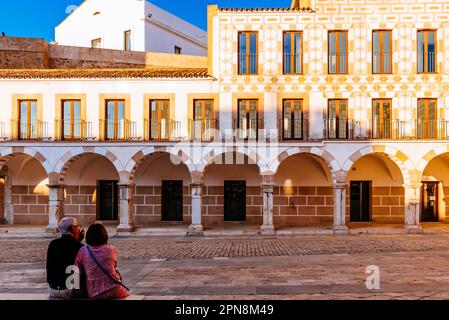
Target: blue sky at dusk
<point x="37" y="18"/>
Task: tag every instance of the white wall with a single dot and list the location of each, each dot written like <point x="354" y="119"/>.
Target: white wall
<point x="116" y="17"/>
<point x="164" y="31"/>
<point x="160" y="33"/>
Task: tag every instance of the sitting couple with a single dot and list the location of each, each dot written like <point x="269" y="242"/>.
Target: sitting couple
<point x="96" y="262"/>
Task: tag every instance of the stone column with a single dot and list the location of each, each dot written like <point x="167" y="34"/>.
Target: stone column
<point x="126" y="196"/>
<point x="412" y="205"/>
<point x="340" y="208"/>
<point x="268" y="227"/>
<point x="196" y="228"/>
<point x="56" y="206"/>
<point x="9" y="214"/>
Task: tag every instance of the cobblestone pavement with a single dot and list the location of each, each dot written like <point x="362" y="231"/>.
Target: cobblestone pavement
<point x="307" y="267"/>
<point x="176" y="248"/>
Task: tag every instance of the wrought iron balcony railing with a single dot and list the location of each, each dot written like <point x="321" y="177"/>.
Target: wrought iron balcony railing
<point x="204" y="130"/>
<point x="296" y="129"/>
<point x="123" y="130"/>
<point x="30" y="130"/>
<point x="162" y="130"/>
<point x="69" y="130"/>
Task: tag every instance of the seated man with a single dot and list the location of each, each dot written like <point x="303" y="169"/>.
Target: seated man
<point x="61" y="254"/>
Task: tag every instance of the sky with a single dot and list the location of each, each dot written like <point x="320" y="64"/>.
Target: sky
<point x="38" y="18"/>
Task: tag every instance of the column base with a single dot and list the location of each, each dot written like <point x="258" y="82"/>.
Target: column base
<point x="267" y="229"/>
<point x="195" y="230"/>
<point x="125" y="228"/>
<point x="413" y="228"/>
<point x="341" y="229"/>
<point x="52" y="229"/>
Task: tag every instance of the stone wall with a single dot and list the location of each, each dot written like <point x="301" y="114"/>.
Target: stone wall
<point x="303" y="205"/>
<point x="148" y="205"/>
<point x="387" y="205"/>
<point x="30" y="205"/>
<point x="32" y="53"/>
<point x="80" y="202"/>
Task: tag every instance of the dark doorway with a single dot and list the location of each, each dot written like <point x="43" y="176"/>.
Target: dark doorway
<point x="235" y="201"/>
<point x="360" y="196"/>
<point x="107" y="200"/>
<point x="172" y="204"/>
<point x="430" y="202"/>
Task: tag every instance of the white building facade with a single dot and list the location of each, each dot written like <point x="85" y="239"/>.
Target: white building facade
<point x="321" y="115"/>
<point x="130" y="25"/>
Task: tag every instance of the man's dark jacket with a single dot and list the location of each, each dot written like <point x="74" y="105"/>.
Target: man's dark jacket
<point x="61" y="253"/>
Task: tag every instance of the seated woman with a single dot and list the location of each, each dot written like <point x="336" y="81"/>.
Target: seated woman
<point x="97" y="262"/>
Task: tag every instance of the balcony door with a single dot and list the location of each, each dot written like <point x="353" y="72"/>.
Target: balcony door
<point x="338" y="52"/>
<point x="203" y="115"/>
<point x="337" y="117"/>
<point x="71" y="120"/>
<point x="248" y="119"/>
<point x="248" y="52"/>
<point x="382" y="52"/>
<point x="28" y="120"/>
<point x="381" y="119"/>
<point x="293" y="52"/>
<point x="159" y="119"/>
<point x="115" y="120"/>
<point x="292" y="119"/>
<point x="426" y="51"/>
<point x="427" y="119"/>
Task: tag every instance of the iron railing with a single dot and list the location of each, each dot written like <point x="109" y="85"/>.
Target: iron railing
<point x="293" y="63"/>
<point x="30" y="130"/>
<point x="382" y="62"/>
<point x="248" y="129"/>
<point x="248" y="63"/>
<point x="122" y="130"/>
<point x="426" y="62"/>
<point x="73" y="130"/>
<point x="204" y="130"/>
<point x="293" y="129"/>
<point x="162" y="130"/>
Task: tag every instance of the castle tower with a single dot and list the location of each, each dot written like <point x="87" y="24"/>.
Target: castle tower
<point x="297" y="4"/>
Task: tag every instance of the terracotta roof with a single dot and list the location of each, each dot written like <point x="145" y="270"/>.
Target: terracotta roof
<point x="143" y="73"/>
<point x="266" y="9"/>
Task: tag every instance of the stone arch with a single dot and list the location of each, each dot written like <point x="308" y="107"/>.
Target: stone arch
<point x="136" y="160"/>
<point x="403" y="162"/>
<point x="64" y="163"/>
<point x="319" y="153"/>
<point x="252" y="155"/>
<point x="428" y="157"/>
<point x="7" y="153"/>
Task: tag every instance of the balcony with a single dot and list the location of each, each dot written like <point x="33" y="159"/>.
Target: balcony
<point x="248" y="129"/>
<point x="204" y="130"/>
<point x="248" y="63"/>
<point x="382" y="62"/>
<point x="293" y="63"/>
<point x="426" y="62"/>
<point x="338" y="63"/>
<point x="162" y="131"/>
<point x="297" y="129"/>
<point x="30" y="130"/>
<point x="73" y="130"/>
<point x="123" y="130"/>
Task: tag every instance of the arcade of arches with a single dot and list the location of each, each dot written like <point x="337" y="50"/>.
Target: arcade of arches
<point x="374" y="189"/>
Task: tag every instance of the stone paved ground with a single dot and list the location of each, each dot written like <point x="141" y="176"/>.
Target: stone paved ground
<point x="307" y="267"/>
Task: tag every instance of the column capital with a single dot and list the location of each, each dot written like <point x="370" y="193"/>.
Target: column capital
<point x="340" y="185"/>
<point x="126" y="185"/>
<point x="55" y="186"/>
<point x="413" y="185"/>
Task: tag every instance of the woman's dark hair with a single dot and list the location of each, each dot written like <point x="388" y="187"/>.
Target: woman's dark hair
<point x="96" y="235"/>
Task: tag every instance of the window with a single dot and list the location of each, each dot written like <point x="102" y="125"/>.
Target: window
<point x="337" y="117"/>
<point x="426" y="51"/>
<point x="160" y="119"/>
<point x="427" y="119"/>
<point x="127" y="41"/>
<point x="115" y="119"/>
<point x="292" y="119"/>
<point x="96" y="43"/>
<point x="382" y="51"/>
<point x="71" y="120"/>
<point x="28" y="122"/>
<point x="248" y="53"/>
<point x="247" y="119"/>
<point x="203" y="119"/>
<point x="178" y="50"/>
<point x="381" y="119"/>
<point x="338" y="52"/>
<point x="293" y="52"/>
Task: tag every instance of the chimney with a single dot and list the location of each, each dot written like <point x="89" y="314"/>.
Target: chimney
<point x="297" y="4"/>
